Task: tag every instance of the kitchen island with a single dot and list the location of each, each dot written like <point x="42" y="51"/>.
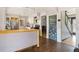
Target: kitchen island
<point x="14" y="40"/>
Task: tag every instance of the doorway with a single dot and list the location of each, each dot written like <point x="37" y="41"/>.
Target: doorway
<point x="53" y="27"/>
<point x="68" y="29"/>
<point x="44" y="26"/>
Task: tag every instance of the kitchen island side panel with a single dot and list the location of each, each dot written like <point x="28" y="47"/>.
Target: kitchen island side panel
<point x="17" y="41"/>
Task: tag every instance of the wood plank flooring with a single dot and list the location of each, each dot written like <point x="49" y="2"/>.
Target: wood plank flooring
<point x="47" y="45"/>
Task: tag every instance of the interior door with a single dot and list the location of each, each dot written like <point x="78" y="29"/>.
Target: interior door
<point x="53" y="27"/>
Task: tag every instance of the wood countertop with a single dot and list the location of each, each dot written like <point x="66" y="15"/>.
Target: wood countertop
<point x="20" y="30"/>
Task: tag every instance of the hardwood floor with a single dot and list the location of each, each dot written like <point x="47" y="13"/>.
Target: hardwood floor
<point x="47" y="45"/>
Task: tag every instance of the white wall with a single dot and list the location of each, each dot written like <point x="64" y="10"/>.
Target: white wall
<point x="59" y="25"/>
<point x="2" y="18"/>
<point x="20" y="11"/>
<point x="77" y="25"/>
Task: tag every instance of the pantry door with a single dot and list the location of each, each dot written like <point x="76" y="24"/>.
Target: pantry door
<point x="53" y="27"/>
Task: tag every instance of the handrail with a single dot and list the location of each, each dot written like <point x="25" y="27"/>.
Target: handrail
<point x="66" y="23"/>
<point x="67" y="16"/>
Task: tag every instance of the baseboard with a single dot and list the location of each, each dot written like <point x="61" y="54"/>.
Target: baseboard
<point x="65" y="38"/>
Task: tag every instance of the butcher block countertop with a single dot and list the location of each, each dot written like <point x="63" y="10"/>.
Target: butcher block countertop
<point x="19" y="30"/>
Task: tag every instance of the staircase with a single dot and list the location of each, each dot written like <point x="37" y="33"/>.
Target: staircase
<point x="69" y="23"/>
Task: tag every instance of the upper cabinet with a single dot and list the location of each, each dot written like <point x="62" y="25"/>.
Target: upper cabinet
<point x="12" y="23"/>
